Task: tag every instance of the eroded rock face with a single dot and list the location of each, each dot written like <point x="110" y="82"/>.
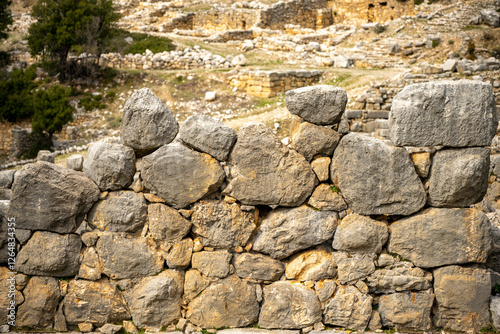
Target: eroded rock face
<point x="399" y="279"/>
<point x="285" y="231"/>
<point x="420" y="238"/>
<point x="230" y="302"/>
<point x="156" y="300"/>
<point x="311" y="265"/>
<point x="358" y="233"/>
<point x="147" y="123"/>
<point x="264" y="171"/>
<point x="61" y="255"/>
<point x="194" y="284"/>
<point x="257" y="266"/>
<point x="212" y="264"/>
<point x="351" y="267"/>
<point x="49" y="197"/>
<point x="222" y="225"/>
<point x="326" y="197"/>
<point x="349" y="308"/>
<point x="459" y="177"/>
<point x="310" y="140"/>
<point x="288" y="305"/>
<point x="376" y="178"/>
<point x="443" y="113"/>
<point x="110" y="166"/>
<point x="320" y="104"/>
<point x="166" y="224"/>
<point x="410" y="310"/>
<point x="179" y="175"/>
<point x="462" y="296"/>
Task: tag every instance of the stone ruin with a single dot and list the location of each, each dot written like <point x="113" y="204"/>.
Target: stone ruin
<point x="197" y="227"/>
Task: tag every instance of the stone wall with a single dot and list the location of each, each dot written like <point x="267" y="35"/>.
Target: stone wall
<point x="226" y="19"/>
<point x="362" y="11"/>
<point x="196" y="226"/>
<point x="6" y="134"/>
<point x="313" y="14"/>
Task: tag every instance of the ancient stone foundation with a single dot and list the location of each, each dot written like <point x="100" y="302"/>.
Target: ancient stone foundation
<point x="197" y="226"/>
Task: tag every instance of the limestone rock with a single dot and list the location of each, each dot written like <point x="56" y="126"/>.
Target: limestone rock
<point x="257" y="266"/>
<point x="91" y="267"/>
<point x="495" y="311"/>
<point x="213" y="264"/>
<point x="222" y="225"/>
<point x="407" y="311"/>
<point x="179" y="175"/>
<point x="459" y="177"/>
<point x="462" y="296"/>
<point x="422" y="163"/>
<point x="399" y="279"/>
<point x="326" y="197"/>
<point x="194" y="284"/>
<point x="7" y="178"/>
<point x="5" y="289"/>
<point x="264" y="171"/>
<point x="325" y="289"/>
<point x="311" y="265"/>
<point x="289" y="305"/>
<point x="110" y="166"/>
<point x="50" y="254"/>
<point x="322" y="104"/>
<point x="75" y="162"/>
<point x="121" y="211"/>
<point x="490" y="17"/>
<point x="147" y="123"/>
<point x="445" y="115"/>
<point x="156" y="300"/>
<point x="450" y="65"/>
<point x="166" y="224"/>
<point x="205" y="134"/>
<point x="179" y="257"/>
<point x="230" y="302"/>
<point x="375" y="322"/>
<point x="349" y="308"/>
<point x="49" y="197"/>
<point x="357" y="233"/>
<point x="321" y="167"/>
<point x="127" y="257"/>
<point x="420" y="238"/>
<point x="110" y="329"/>
<point x="376" y="178"/>
<point x="311" y="140"/>
<point x="95" y="302"/>
<point x="47" y="156"/>
<point x="351" y="267"/>
<point x="285" y="231"/>
<point x="42" y="295"/>
<point x="60" y="321"/>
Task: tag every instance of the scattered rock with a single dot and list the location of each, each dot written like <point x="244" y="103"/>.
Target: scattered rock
<point x="210" y="96"/>
<point x="75" y="162"/>
<point x="490" y="17"/>
<point x="194" y="284"/>
<point x="239" y="60"/>
<point x="110" y="329"/>
<point x="46" y="156"/>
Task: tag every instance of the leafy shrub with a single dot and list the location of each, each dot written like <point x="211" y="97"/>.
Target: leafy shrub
<point x="51" y="110"/>
<point x="15" y="94"/>
<point x="140" y="43"/>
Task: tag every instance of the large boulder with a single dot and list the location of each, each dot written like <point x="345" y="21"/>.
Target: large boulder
<point x="50" y="254"/>
<point x="222" y="225"/>
<point x="231" y="302"/>
<point x="490" y="17"/>
<point x="376" y="178"/>
<point x="205" y="134"/>
<point x="349" y="308"/>
<point x="285" y="231"/>
<point x="357" y="233"/>
<point x="409" y="310"/>
<point x="257" y="266"/>
<point x="398" y="279"/>
<point x="181" y="176"/>
<point x="462" y="298"/>
<point x="322" y="105"/>
<point x="156" y="300"/>
<point x="49" y="197"/>
<point x="110" y="166"/>
<point x="94" y="302"/>
<point x="449" y="113"/>
<point x="264" y="171"/>
<point x="311" y="140"/>
<point x="420" y="238"/>
<point x="459" y="177"/>
<point x="147" y="123"/>
<point x="121" y="211"/>
<point x="289" y="305"/>
<point x="166" y="224"/>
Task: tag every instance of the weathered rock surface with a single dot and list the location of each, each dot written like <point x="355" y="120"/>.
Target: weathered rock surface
<point x="321" y="167"/>
<point x="110" y="166"/>
<point x="94" y="302"/>
<point x="205" y="134"/>
<point x="349" y="308"/>
<point x="399" y="279"/>
<point x="61" y="255"/>
<point x="147" y="123"/>
<point x="230" y="302"/>
<point x="495" y="310"/>
<point x="166" y="224"/>
<point x="222" y="225"/>
<point x="42" y="295"/>
<point x="7" y="178"/>
<point x="351" y="267"/>
<point x="257" y="266"/>
<point x="459" y="177"/>
<point x="289" y="305"/>
<point x="376" y="178"/>
<point x="462" y="298"/>
<point x="194" y="283"/>
<point x="156" y="300"/>
<point x="422" y="163"/>
<point x="490" y="17"/>
<point x="5" y="289"/>
<point x="310" y="140"/>
<point x="181" y="176"/>
<point x="325" y="289"/>
<point x="212" y="264"/>
<point x="127" y="257"/>
<point x="324" y="198"/>
<point x="320" y="105"/>
<point x="357" y="233"/>
<point x="121" y="211"/>
<point x="264" y="171"/>
<point x="311" y="265"/>
<point x="410" y="310"/>
<point x="179" y="257"/>
<point x="420" y="238"/>
<point x="443" y="113"/>
<point x="49" y="197"/>
<point x="75" y="162"/>
<point x="285" y="231"/>
<point x="91" y="267"/>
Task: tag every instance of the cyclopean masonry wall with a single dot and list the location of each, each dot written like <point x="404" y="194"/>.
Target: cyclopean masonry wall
<point x="197" y="227"/>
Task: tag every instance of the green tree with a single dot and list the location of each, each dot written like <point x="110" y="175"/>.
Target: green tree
<point x="5" y="17"/>
<point x="51" y="110"/>
<point x="16" y="94"/>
